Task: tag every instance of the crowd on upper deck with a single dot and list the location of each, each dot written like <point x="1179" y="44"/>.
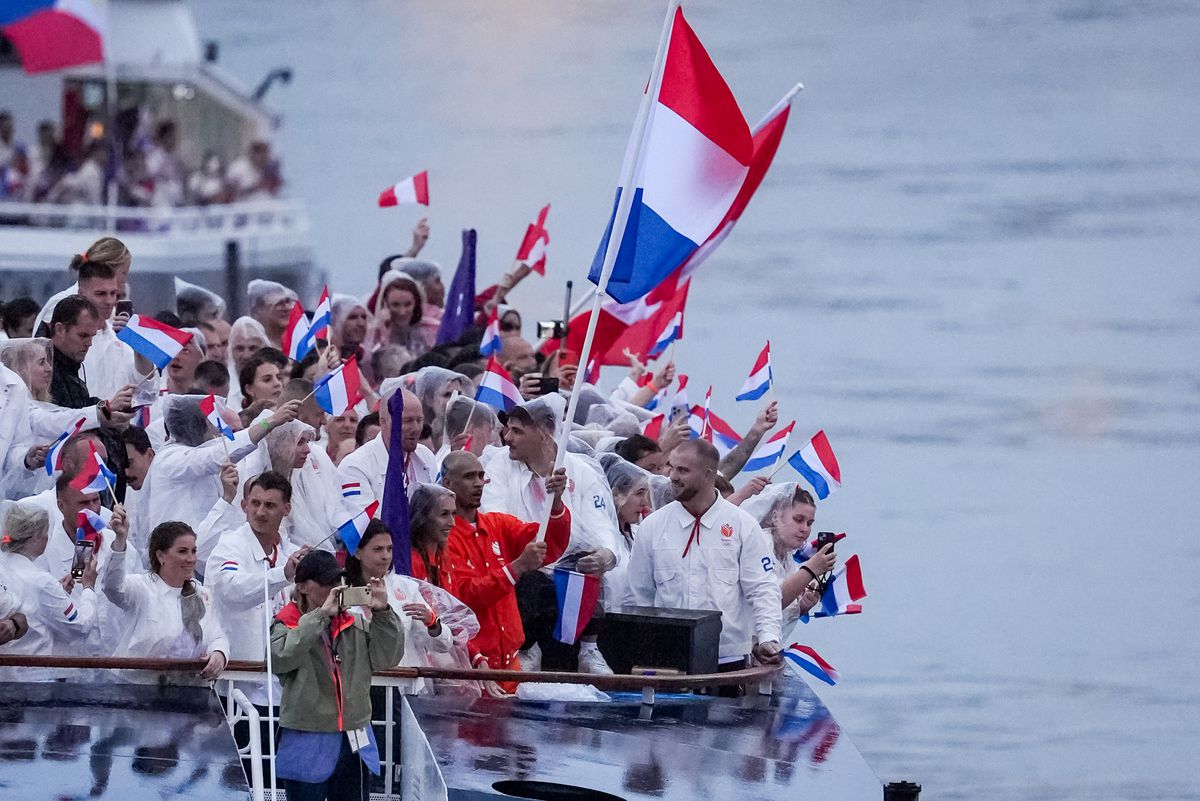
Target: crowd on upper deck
<point x="199" y="537"/>
<point x="144" y="168"/>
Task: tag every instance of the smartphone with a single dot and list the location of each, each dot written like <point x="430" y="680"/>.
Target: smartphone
<point x="547" y="385"/>
<point x="353" y="596"/>
<point x="825" y="538"/>
<point x="125" y="307"/>
<point x="83" y="552"/>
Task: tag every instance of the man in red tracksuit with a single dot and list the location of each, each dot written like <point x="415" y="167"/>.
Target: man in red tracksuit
<point x="489" y="551"/>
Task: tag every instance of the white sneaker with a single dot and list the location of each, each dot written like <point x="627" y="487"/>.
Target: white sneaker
<point x="531" y="659"/>
<point x="592" y="661"/>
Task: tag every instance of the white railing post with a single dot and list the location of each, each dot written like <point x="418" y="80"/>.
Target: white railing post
<point x="256" y="773"/>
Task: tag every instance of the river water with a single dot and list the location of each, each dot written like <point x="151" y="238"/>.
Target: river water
<point x="972" y="258"/>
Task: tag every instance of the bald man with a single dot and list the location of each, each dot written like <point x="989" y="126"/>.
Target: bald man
<point x="364" y="470"/>
<point x="702" y="552"/>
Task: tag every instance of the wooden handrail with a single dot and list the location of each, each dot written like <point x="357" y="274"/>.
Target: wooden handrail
<point x="614" y="682"/>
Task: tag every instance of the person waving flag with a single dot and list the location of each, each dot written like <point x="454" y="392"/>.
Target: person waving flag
<point x="759" y="381"/>
<point x="158" y="342"/>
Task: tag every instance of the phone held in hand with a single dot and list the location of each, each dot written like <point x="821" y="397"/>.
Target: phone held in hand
<point x="353" y="596"/>
<point x="83" y="552"/>
<point x="825" y="538"/>
<point x="547" y="385"/>
<point x="125" y="307"/>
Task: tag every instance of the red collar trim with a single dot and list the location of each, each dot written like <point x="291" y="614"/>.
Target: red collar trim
<point x="290" y="617"/>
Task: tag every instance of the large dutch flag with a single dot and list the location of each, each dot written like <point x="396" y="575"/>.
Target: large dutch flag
<point x="53" y="34"/>
<point x="341" y="389"/>
<point x="156" y="341"/>
<point x="768" y="452"/>
<point x="497" y="389"/>
<point x="759" y="380"/>
<point x="816" y="462"/>
<point x="688" y="162"/>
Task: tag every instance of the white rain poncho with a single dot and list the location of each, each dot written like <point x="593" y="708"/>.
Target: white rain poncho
<point x="413" y="338"/>
<point x="245" y="330"/>
<point x="59" y="623"/>
<point x="767" y="507"/>
<point x="624" y="479"/>
<point x="318" y="507"/>
<point x="26" y="420"/>
<point x="449" y="649"/>
<point x="589" y="397"/>
<point x="183" y="482"/>
<point x="434" y="386"/>
<point x="340" y="307"/>
<point x="195" y="303"/>
<point x="466" y="416"/>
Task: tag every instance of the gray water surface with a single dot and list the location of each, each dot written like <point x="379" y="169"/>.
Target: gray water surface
<point x="976" y="259"/>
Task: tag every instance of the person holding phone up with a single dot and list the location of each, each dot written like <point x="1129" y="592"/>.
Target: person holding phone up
<point x="324" y="656"/>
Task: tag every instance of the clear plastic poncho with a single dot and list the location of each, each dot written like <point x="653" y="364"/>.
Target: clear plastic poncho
<point x="477" y="420"/>
<point x="197" y="303"/>
<point x="463" y="626"/>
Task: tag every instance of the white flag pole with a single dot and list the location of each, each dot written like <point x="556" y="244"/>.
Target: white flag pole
<point x="628" y="178"/>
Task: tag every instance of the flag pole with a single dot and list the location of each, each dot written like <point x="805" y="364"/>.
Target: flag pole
<point x="271" y="715"/>
<point x="626" y="181"/>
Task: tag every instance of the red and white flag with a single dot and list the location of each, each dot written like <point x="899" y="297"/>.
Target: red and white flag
<point x="533" y="246"/>
<point x="410" y="190"/>
<point x="653" y="427"/>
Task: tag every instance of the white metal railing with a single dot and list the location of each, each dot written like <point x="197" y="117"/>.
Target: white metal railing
<point x="226" y="219"/>
<point x="418" y="768"/>
<point x="238" y="698"/>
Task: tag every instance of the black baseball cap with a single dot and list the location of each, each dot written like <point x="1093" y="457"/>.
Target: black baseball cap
<point x="321" y="567"/>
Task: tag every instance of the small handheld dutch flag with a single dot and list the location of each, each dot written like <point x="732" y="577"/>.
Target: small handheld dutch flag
<point x="322" y="317"/>
<point x="490" y="346"/>
<point x="351" y="532"/>
<point x="759" y="380"/>
<point x="816" y="462"/>
<point x="157" y="342"/>
<point x="88" y="526"/>
<point x="842" y="593"/>
<point x="805" y="658"/>
<point x="768" y="453"/>
<point x="577" y="595"/>
<point x="94" y="476"/>
<point x="341" y="389"/>
<point x="497" y="389"/>
<point x="297" y="337"/>
<point x="54" y="455"/>
<point x="211" y="408"/>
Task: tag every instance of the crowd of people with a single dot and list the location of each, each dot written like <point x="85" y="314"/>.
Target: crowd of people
<point x="145" y="168"/>
<point x="200" y="538"/>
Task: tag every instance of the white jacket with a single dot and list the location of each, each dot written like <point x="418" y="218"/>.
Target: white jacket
<point x="16" y="436"/>
<point x="318" y="507"/>
<point x="184" y="481"/>
<point x="730" y="570"/>
<point x="59" y="624"/>
<point x="235" y="575"/>
<point x="154" y="618"/>
<point x="593" y="521"/>
<point x="417" y="642"/>
<point x="108" y="365"/>
<point x="363" y="472"/>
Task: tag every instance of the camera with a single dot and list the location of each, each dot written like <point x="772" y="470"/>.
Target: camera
<point x="353" y="596"/>
<point x="83" y="552"/>
<point x="551" y="329"/>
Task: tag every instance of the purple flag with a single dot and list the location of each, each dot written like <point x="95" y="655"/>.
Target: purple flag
<point x="395" y="493"/>
<point x="459" y="311"/>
